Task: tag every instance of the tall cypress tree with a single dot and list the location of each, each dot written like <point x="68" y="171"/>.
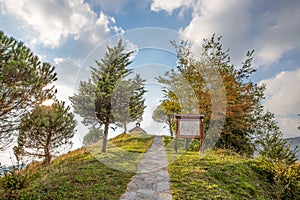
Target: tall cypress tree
<point x="94" y="99"/>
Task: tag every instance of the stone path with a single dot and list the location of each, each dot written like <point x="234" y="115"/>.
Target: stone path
<point x="152" y="178"/>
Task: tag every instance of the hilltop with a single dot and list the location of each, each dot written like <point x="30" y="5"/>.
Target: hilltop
<point x="221" y="174"/>
<point x="80" y="175"/>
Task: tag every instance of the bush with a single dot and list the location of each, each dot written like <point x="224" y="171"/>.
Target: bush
<point x="13" y="181"/>
<point x="284" y="177"/>
<point x="194" y="145"/>
<point x="167" y="139"/>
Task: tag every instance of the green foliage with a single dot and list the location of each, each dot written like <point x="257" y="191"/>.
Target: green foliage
<point x="80" y="174"/>
<point x="23" y="81"/>
<point x="194" y="145"/>
<point x="45" y="131"/>
<point x="128" y="102"/>
<point x="195" y="80"/>
<point x="275" y="149"/>
<point x="284" y="177"/>
<point x="13" y="181"/>
<point x="92" y="136"/>
<point x="221" y="174"/>
<point x="165" y="113"/>
<point x="167" y="139"/>
<point x="277" y="159"/>
<point x="94" y="99"/>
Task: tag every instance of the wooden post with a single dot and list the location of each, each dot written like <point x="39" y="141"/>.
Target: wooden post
<point x="176" y="136"/>
<point x="201" y="136"/>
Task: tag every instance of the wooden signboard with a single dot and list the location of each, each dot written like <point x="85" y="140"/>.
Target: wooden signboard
<point x="190" y="126"/>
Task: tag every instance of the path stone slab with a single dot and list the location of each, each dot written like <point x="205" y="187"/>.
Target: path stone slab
<point x="152" y="178"/>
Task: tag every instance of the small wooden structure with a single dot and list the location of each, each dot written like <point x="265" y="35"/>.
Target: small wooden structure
<point x="190" y="126"/>
<point x="137" y="128"/>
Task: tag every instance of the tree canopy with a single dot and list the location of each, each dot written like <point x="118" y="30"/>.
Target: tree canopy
<point x="128" y="101"/>
<point x="242" y="95"/>
<point x="24" y="83"/>
<point x="94" y="100"/>
<point x="45" y="131"/>
<point x="166" y="111"/>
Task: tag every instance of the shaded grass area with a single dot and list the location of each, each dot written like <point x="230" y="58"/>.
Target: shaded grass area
<point x="82" y="175"/>
<point x="220" y="174"/>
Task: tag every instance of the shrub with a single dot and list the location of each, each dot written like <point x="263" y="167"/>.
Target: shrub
<point x="285" y="177"/>
<point x="13" y="181"/>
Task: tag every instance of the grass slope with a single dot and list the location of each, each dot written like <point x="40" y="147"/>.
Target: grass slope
<point x="80" y="174"/>
<point x="219" y="175"/>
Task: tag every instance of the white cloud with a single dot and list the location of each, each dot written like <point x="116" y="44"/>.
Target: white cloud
<point x="282" y="93"/>
<point x="52" y="22"/>
<point x="230" y="19"/>
<point x="2" y="11"/>
<point x="170" y="6"/>
<point x="289" y="126"/>
<point x="111" y="5"/>
<point x="57" y="61"/>
<point x="283" y="99"/>
<point x="271" y="29"/>
<point x="103" y="21"/>
<point x="279" y="32"/>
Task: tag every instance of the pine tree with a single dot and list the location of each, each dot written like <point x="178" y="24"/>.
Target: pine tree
<point x="45" y="131"/>
<point x="94" y="99"/>
<point x="128" y="102"/>
<point x="23" y="81"/>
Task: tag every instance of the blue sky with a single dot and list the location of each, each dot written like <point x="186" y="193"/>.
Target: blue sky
<point x="65" y="32"/>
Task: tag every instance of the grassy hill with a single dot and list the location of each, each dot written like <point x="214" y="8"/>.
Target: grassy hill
<point x="221" y="174"/>
<point x="80" y="175"/>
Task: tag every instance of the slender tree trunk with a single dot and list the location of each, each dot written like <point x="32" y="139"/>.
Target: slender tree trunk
<point x="125" y="127"/>
<point x="47" y="155"/>
<point x="47" y="147"/>
<point x="170" y="128"/>
<point x="106" y="127"/>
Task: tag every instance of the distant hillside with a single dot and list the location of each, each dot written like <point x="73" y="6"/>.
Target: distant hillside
<point x="295" y="142"/>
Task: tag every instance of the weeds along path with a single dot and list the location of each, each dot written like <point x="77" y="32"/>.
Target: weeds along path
<point x="152" y="178"/>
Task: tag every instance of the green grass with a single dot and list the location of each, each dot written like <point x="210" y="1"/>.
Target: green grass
<point x="89" y="174"/>
<point x="218" y="175"/>
<point x="82" y="175"/>
<point x="166" y="140"/>
<point x="124" y="152"/>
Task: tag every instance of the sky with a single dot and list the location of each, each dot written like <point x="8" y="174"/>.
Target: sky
<point x="71" y="34"/>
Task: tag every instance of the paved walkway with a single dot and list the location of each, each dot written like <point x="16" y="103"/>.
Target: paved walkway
<point x="152" y="178"/>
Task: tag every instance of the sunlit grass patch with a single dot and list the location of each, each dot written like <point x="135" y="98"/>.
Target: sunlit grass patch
<point x="123" y="152"/>
<point x="81" y="175"/>
<point x="220" y="174"/>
